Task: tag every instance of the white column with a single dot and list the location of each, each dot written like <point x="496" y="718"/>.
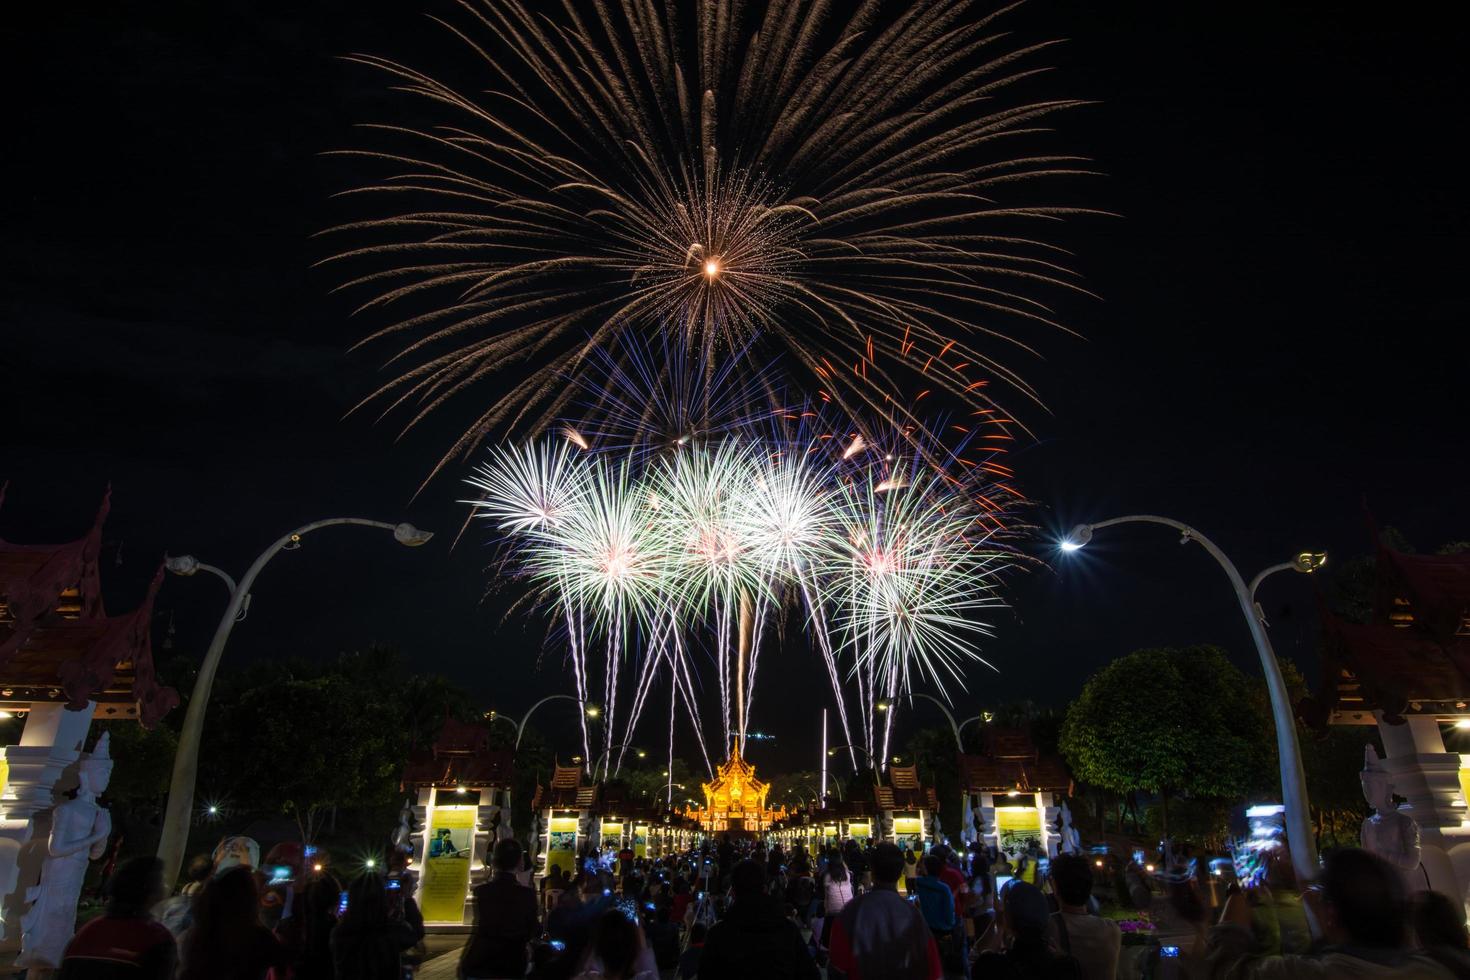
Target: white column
<point x="42" y="767"/>
<point x="419" y="838"/>
<point x="1050" y="814"/>
<point x="1423" y="772"/>
<point x="1429" y="778"/>
<point x="989" y="832"/>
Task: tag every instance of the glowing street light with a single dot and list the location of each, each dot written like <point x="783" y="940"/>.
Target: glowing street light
<point x="180" y="803"/>
<point x="1299" y="830"/>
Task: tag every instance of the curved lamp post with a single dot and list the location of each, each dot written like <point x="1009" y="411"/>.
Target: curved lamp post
<point x="956" y="727"/>
<point x="588" y="711"/>
<point x="591" y="711"/>
<point x="180" y="804"/>
<point x="1293" y="781"/>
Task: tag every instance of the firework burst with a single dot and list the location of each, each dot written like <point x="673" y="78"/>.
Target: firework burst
<point x="828" y="185"/>
<point x="893" y="563"/>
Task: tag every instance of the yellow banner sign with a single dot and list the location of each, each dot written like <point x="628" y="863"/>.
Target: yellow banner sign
<point x="561" y="845"/>
<point x="446" y="881"/>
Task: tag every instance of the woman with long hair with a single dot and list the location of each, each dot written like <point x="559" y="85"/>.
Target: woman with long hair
<point x="318" y="921"/>
<point x="836" y="893"/>
<point x="618" y="951"/>
<point x="370" y="940"/>
<point x="226" y="940"/>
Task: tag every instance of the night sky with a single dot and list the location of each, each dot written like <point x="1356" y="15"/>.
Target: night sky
<point x="1276" y="341"/>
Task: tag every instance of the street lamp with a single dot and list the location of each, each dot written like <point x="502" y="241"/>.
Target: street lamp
<point x="1293" y="781"/>
<point x="175" y="836"/>
<point x="872" y="763"/>
<point x="604" y="760"/>
<point x="590" y="711"/>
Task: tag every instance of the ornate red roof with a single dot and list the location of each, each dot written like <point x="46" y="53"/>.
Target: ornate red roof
<point x="461" y="756"/>
<point x="1414" y="654"/>
<point x="1012" y="761"/>
<point x="565" y="791"/>
<point x="57" y="642"/>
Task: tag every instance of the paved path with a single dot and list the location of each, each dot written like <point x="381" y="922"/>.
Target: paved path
<point x="443" y="957"/>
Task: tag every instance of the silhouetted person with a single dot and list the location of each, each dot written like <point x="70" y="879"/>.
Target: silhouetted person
<point x="227" y="941"/>
<point x="1364" y="917"/>
<point x="370" y="940"/>
<point x="125" y="943"/>
<point x="754" y="939"/>
<point x="880" y="935"/>
<point x="505" y="920"/>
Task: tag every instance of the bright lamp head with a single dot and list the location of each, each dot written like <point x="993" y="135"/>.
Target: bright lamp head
<point x="1077" y="538"/>
<point x="411" y="537"/>
<point x="182" y="564"/>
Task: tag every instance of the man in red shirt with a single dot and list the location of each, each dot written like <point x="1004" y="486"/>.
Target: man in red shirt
<point x="954" y="878"/>
<point x="880" y="936"/>
<point x="125" y="943"/>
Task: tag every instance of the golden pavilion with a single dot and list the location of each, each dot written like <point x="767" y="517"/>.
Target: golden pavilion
<point x="735" y="801"/>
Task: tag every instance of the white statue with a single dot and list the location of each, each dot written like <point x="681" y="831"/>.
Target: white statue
<point x="1388" y="833"/>
<point x="403" y="836"/>
<point x="1071" y="840"/>
<point x="79" y="832"/>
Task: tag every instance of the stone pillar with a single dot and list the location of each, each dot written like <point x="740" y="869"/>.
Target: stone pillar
<point x="419" y="839"/>
<point x="985" y="816"/>
<point x="1428" y="777"/>
<point x="1051" y="816"/>
<point x="42" y="768"/>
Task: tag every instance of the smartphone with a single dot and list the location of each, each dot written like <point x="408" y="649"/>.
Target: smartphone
<point x="1169" y="951"/>
<point x="280" y="874"/>
<point x="394" y="884"/>
<point x="342" y="905"/>
<point x="558" y="946"/>
<point x="1000" y="882"/>
<point x="310" y="851"/>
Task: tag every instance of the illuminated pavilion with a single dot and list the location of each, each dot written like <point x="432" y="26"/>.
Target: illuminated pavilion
<point x="735" y="801"/>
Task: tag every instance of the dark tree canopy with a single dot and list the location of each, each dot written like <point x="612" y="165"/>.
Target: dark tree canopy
<point x="1169" y="721"/>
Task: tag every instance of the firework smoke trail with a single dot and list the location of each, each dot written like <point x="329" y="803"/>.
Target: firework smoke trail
<point x="700" y="494"/>
<point x="655" y="651"/>
<point x="673" y="693"/>
<point x="686" y="690"/>
<point x="833" y="179"/>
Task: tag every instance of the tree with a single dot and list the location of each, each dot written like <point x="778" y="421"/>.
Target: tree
<point x="1167" y="721"/>
<point x="322" y="743"/>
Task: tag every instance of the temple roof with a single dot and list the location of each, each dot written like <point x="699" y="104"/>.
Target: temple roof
<point x="1010" y="760"/>
<point x="1413" y="656"/>
<point x="37" y="580"/>
<point x="58" y="644"/>
<point x="904" y="792"/>
<point x="736" y="770"/>
<point x="565" y="791"/>
<point x="460" y="756"/>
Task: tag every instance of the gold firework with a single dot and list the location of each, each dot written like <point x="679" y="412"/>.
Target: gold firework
<point x="838" y="188"/>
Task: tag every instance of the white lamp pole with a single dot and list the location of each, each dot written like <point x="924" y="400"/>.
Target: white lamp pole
<point x="180" y="806"/>
<point x="1293" y="780"/>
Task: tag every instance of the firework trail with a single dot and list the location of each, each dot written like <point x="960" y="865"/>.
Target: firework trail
<point x="827" y="182"/>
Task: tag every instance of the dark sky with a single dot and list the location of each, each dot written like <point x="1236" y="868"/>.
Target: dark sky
<point x="1277" y="337"/>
